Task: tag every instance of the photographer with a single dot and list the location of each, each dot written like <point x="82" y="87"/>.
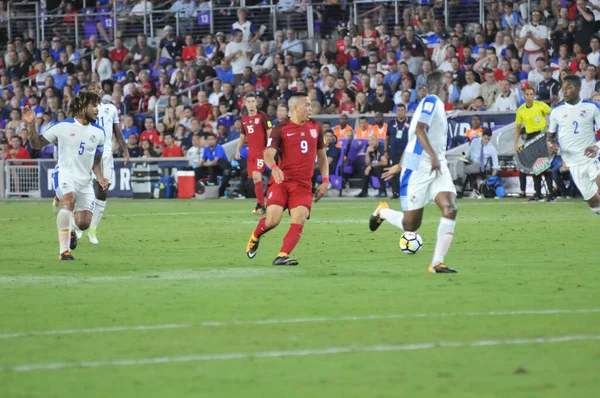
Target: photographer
<point x="375" y="162"/>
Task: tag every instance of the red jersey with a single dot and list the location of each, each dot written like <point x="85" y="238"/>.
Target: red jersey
<point x="255" y="128"/>
<point x="203" y="111"/>
<point x="174" y="152"/>
<point x="297" y="147"/>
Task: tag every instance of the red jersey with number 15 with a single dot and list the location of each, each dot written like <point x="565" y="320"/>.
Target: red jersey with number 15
<point x="255" y="128"/>
<point x="297" y="147"/>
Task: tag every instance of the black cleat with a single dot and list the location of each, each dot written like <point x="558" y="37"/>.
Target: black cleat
<point x="73" y="243"/>
<point x="260" y="210"/>
<point x="441" y="269"/>
<point x="375" y="221"/>
<point x="66" y="256"/>
<point x="252" y="246"/>
<point x="285" y="260"/>
<point x="536" y="198"/>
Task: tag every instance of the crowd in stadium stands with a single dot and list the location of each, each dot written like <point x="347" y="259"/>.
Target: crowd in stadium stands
<point x="365" y="68"/>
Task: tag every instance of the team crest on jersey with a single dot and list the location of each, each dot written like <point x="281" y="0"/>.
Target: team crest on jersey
<point x="413" y="199"/>
<point x="64" y="185"/>
<point x="314" y="133"/>
<point x="93" y="139"/>
<point x="583" y="113"/>
<point x="257" y="120"/>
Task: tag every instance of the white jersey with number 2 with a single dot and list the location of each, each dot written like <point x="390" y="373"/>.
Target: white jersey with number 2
<point x="77" y="147"/>
<point x="107" y="115"/>
<point x="576" y="126"/>
<point x="430" y="112"/>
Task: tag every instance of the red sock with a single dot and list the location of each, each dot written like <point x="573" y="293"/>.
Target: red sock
<point x="291" y="238"/>
<point x="260" y="193"/>
<point x="261" y="228"/>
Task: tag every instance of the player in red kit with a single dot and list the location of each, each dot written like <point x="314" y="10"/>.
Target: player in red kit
<point x="297" y="142"/>
<point x="256" y="129"/>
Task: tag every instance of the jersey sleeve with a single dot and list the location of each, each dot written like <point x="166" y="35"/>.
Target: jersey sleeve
<point x="50" y="134"/>
<point x="519" y="119"/>
<point x="427" y="110"/>
<point x="101" y="140"/>
<point x="266" y="122"/>
<point x="321" y="141"/>
<point x="115" y="115"/>
<point x="597" y="116"/>
<point x="553" y="123"/>
<point x="243" y="130"/>
<point x="545" y="108"/>
<point x="275" y="138"/>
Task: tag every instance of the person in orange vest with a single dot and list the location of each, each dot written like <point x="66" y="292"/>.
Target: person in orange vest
<point x="364" y="128"/>
<point x="343" y="130"/>
<point x="476" y="129"/>
<point x="379" y="129"/>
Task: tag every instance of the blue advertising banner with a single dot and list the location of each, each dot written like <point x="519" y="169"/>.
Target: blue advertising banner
<point x="121" y="186"/>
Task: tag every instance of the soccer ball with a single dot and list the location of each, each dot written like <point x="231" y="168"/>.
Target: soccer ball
<point x="411" y="242"/>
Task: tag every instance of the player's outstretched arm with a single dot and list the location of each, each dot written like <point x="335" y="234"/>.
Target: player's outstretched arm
<point x="121" y="141"/>
<point x="36" y="141"/>
<point x="390" y="172"/>
<point x="270" y="163"/>
<point x="421" y="132"/>
<point x="324" y="169"/>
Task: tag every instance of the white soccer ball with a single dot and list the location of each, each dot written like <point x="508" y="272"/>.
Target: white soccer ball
<point x="411" y="242"/>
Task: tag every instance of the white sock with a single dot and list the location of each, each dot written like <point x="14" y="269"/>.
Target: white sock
<point x="595" y="210"/>
<point x="98" y="213"/>
<point x="445" y="234"/>
<point x="63" y="224"/>
<point x="393" y="217"/>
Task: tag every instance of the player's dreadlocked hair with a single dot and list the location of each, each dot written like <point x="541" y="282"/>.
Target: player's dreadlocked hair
<point x="81" y="101"/>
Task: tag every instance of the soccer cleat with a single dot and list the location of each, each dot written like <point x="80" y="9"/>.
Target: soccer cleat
<point x="66" y="255"/>
<point x="285" y="261"/>
<point x="375" y="221"/>
<point x="441" y="269"/>
<point x="92" y="236"/>
<point x="536" y="198"/>
<point x="73" y="242"/>
<point x="252" y="246"/>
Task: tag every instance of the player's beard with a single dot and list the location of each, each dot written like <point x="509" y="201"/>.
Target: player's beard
<point x="90" y="118"/>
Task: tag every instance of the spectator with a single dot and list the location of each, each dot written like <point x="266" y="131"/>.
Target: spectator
<point x="381" y="103"/>
<point x="369" y="38"/>
<point x="470" y="91"/>
<point x="17" y="150"/>
<point x="532" y="40"/>
<point x="224" y="72"/>
<point x="588" y="82"/>
<point x="129" y="127"/>
<point x="584" y="24"/>
<point x="347" y="103"/>
<point x="250" y="33"/>
<point x="263" y="58"/>
<point x="171" y="149"/>
<point x="148" y="101"/>
<point x="535" y="76"/>
<point x="510" y="18"/>
<point x="548" y="88"/>
<point x="375" y="162"/>
<point x="140" y="53"/>
<point x="215" y="163"/>
<point x="195" y="153"/>
<point x="102" y="65"/>
<point x="292" y="45"/>
<point x="149" y="134"/>
<point x="362" y="104"/>
<point x="172" y="43"/>
<point x="119" y="53"/>
<point x="210" y="47"/>
<point x="593" y="57"/>
<point x="147" y="150"/>
<point x="481" y="152"/>
<point x="238" y="53"/>
<point x="364" y="128"/>
<point x="132" y="146"/>
<point x="507" y="100"/>
<point x="478" y="105"/>
<point x="203" y="110"/>
<point x="489" y="89"/>
<point x="185" y="9"/>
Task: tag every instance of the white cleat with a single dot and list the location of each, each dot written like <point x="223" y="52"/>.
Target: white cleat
<point x="78" y="233"/>
<point x="92" y="237"/>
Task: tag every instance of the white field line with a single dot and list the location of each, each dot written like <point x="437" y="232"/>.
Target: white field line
<point x="317" y="208"/>
<point x="324" y="319"/>
<point x="298" y="353"/>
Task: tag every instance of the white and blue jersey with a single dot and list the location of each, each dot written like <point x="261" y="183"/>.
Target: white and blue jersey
<point x="108" y="115"/>
<point x="576" y="126"/>
<point x="418" y="185"/>
<point x="77" y="146"/>
<point x="430" y="112"/>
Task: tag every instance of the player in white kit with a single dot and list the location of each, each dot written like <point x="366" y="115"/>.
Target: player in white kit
<point x="108" y="119"/>
<point x="573" y="126"/>
<point x="80" y="144"/>
<point x="425" y="176"/>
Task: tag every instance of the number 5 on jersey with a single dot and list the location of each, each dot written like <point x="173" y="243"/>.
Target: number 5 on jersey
<point x="81" y="148"/>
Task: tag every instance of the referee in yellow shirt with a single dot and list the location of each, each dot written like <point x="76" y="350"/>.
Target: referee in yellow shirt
<point x="533" y="114"/>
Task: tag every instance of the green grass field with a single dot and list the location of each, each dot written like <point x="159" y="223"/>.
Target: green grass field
<point x="168" y="305"/>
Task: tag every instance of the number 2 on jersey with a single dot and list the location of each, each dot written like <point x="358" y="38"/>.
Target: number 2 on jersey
<point x="576" y="126"/>
<point x="81" y="148"/>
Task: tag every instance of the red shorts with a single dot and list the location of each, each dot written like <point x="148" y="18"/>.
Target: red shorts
<point x="290" y="194"/>
<point x="256" y="163"/>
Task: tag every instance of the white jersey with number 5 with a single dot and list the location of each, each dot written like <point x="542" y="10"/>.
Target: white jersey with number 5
<point x="107" y="115"/>
<point x="430" y="112"/>
<point x="77" y="147"/>
<point x="576" y="126"/>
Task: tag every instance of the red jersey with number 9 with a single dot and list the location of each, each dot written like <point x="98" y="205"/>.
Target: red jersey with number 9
<point x="255" y="128"/>
<point x="297" y="147"/>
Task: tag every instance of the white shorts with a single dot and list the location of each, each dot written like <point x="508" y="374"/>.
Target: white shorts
<point x="63" y="183"/>
<point x="419" y="187"/>
<point x="584" y="176"/>
<point x="108" y="168"/>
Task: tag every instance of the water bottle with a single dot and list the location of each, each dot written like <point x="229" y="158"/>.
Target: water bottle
<point x="156" y="191"/>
